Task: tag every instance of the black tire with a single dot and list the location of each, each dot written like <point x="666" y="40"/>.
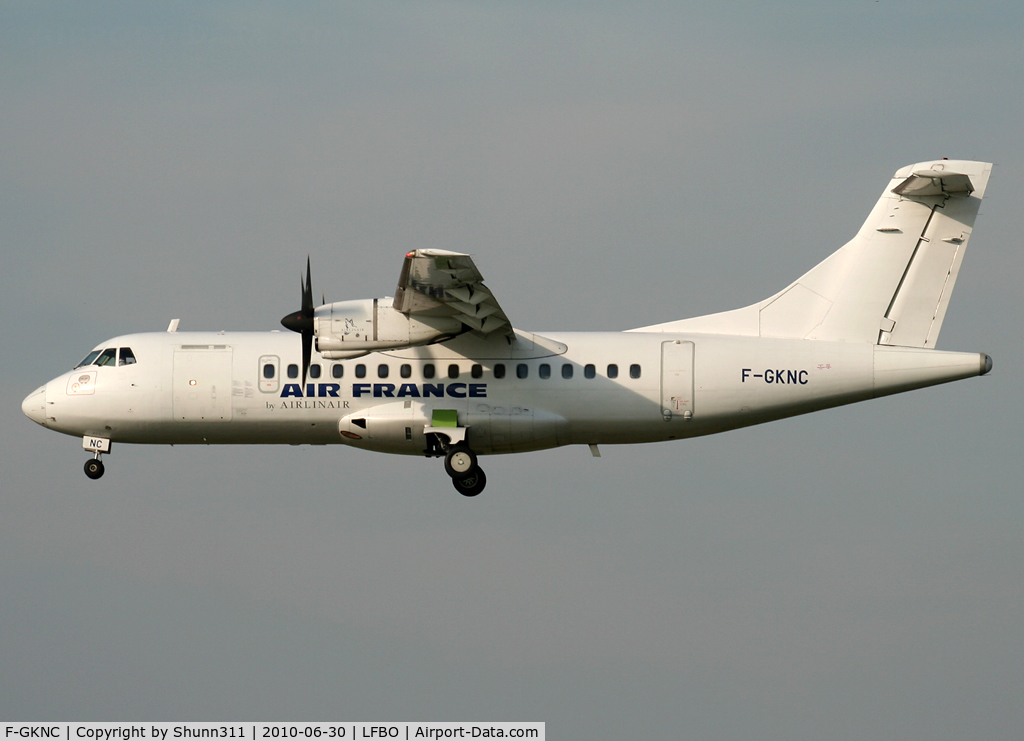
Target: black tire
<point x="460" y="461"/>
<point x="471" y="485"/>
<point x="94" y="468"/>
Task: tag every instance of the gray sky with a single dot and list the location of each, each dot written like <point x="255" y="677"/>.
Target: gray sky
<point x="853" y="574"/>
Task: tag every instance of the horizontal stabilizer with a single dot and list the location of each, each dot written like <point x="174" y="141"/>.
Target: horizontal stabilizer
<point x="935" y="183"/>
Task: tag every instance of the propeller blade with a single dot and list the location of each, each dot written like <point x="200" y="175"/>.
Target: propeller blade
<point x="301" y="321"/>
<point x="307" y="351"/>
<point x="307" y="292"/>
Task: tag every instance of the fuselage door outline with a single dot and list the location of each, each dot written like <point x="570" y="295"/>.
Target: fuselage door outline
<point x="676" y="380"/>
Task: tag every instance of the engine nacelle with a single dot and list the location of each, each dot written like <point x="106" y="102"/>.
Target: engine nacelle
<point x="347" y="329"/>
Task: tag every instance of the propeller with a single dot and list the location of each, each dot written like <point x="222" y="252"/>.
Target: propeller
<point x="301" y="321"/>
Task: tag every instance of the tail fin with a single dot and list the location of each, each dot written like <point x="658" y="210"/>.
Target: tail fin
<point x="890" y="284"/>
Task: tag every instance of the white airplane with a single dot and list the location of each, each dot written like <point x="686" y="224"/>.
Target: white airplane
<point x="439" y="371"/>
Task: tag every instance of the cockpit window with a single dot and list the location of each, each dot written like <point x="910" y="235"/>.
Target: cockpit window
<point x="107" y="357"/>
<point x="110" y="356"/>
<point x="88" y="359"/>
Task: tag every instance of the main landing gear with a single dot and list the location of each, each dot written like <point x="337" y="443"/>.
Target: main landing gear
<point x="461" y="464"/>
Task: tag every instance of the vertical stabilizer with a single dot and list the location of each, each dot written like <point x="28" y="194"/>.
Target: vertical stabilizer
<point x="890" y="284"/>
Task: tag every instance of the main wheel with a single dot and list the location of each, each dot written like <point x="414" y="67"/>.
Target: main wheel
<point x="93" y="468"/>
<point x="471" y="485"/>
<point x="460" y="461"/>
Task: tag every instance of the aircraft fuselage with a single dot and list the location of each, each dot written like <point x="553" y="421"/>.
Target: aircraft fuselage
<point x="541" y="391"/>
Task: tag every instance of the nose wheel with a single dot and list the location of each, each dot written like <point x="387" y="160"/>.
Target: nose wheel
<point x="94" y="468"/>
<point x="460" y="463"/>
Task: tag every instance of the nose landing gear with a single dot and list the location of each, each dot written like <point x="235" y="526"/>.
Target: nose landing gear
<point x="97" y="446"/>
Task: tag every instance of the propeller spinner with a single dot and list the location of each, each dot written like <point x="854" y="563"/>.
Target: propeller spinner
<point x="301" y="321"/>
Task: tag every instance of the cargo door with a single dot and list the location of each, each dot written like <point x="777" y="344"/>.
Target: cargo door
<point x="202" y="384"/>
<point x="676" y="379"/>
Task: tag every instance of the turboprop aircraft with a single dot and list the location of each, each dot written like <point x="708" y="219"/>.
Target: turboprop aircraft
<point x="439" y="371"/>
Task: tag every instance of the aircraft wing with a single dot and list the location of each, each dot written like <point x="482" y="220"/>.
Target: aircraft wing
<point x="442" y="283"/>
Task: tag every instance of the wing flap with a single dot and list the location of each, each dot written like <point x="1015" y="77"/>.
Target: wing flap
<point x="468" y="295"/>
<point x="443" y="283"/>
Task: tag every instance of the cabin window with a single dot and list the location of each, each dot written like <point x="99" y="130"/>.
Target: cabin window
<point x="499" y="370"/>
<point x="107" y="357"/>
<point x="125" y="356"/>
<point x="383" y="370"/>
<point x="544" y="370"/>
<point x="477" y="371"/>
<point x="613" y="371"/>
<point x="89" y="358"/>
<point x="314" y="370"/>
<point x="522" y="370"/>
<point x="428" y="370"/>
<point x="360" y="371"/>
<point x="634" y="371"/>
<point x="337" y="370"/>
<point x="589" y="371"/>
<point x="268" y="368"/>
<point x="405" y="371"/>
<point x="293" y="370"/>
<point x="567" y="371"/>
<point x="453" y="371"/>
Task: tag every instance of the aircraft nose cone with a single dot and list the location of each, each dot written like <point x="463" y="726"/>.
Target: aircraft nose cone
<point x="34" y="405"/>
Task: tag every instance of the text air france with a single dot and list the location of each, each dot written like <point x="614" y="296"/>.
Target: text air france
<point x="390" y="390"/>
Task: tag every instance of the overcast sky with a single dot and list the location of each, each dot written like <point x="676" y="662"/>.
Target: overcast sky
<point x="852" y="574"/>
